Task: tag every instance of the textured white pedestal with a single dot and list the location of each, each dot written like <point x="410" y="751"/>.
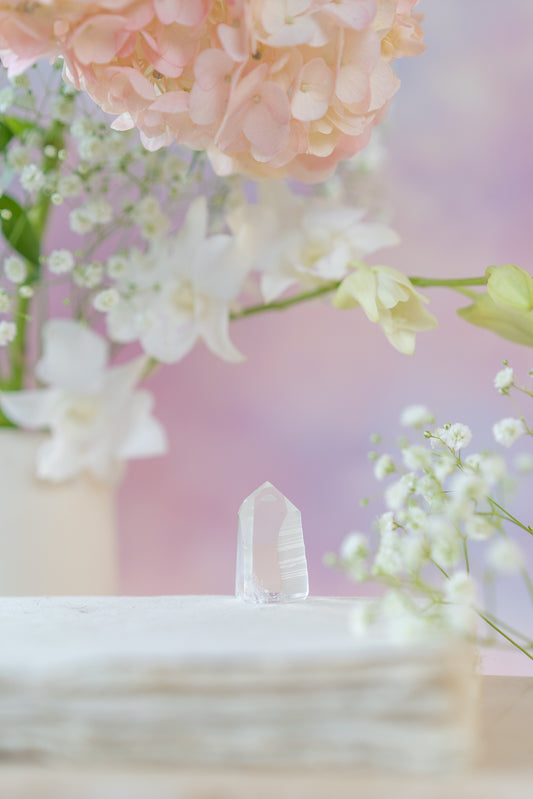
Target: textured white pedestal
<point x="210" y="682"/>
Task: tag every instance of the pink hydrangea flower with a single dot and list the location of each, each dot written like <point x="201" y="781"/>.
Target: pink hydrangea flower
<point x="270" y="88"/>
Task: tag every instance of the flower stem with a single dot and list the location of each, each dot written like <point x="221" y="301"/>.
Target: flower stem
<point x="509" y="517"/>
<point x="451" y="282"/>
<point x="504" y="635"/>
<point x="328" y="288"/>
<point x="528" y="582"/>
<point x="280" y="305"/>
<point x="38" y="216"/>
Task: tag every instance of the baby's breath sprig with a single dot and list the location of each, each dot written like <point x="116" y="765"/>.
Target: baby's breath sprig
<point x="444" y="538"/>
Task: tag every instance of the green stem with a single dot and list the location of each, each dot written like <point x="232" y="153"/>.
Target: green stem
<point x="509" y="517"/>
<point x="38" y="216"/>
<point x="512" y="630"/>
<point x="528" y="582"/>
<point x="451" y="282"/>
<point x="280" y="305"/>
<point x="467" y="561"/>
<point x="504" y="635"/>
<point x="328" y="288"/>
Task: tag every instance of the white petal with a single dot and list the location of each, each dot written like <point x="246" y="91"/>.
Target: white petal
<point x="166" y="341"/>
<point x="215" y="332"/>
<point x="195" y="223"/>
<point x="122" y="323"/>
<point x="31" y="409"/>
<point x="273" y="284"/>
<point x="74" y="356"/>
<point x="146" y="436"/>
<point x="120" y="381"/>
<point x="369" y="237"/>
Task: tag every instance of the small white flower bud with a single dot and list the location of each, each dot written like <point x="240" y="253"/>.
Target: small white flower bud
<point x="504" y="379"/>
<point x="106" y="300"/>
<point x="60" y="262"/>
<point x="15" y="269"/>
<point x="8" y="331"/>
<point x="508" y="430"/>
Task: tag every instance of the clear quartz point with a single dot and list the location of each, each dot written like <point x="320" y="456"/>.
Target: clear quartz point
<point x="271" y="563"/>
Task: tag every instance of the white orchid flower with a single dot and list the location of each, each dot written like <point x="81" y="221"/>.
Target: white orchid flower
<point x="300" y="241"/>
<point x="95" y="417"/>
<point x="387" y="296"/>
<point x="193" y="280"/>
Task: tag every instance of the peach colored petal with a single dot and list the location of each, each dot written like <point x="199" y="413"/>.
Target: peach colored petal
<point x="355" y="14"/>
<point x="186" y="12"/>
<point x="312" y="97"/>
<point x="99" y="39"/>
<point x="266" y="124"/>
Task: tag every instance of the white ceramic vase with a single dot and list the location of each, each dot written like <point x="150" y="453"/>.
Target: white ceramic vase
<point x="55" y="539"/>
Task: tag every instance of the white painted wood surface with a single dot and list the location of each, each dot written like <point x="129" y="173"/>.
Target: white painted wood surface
<point x="210" y="683"/>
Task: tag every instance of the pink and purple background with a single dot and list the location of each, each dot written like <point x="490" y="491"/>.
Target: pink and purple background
<point x="317" y="382"/>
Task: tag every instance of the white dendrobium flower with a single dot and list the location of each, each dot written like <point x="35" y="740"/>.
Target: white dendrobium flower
<point x="298" y="240"/>
<point x="388" y="297"/>
<point x="508" y="430"/>
<point x="184" y="287"/>
<point x="504" y="379"/>
<point x="95" y="417"/>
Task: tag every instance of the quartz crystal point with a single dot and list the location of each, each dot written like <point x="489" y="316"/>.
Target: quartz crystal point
<point x="271" y="563"/>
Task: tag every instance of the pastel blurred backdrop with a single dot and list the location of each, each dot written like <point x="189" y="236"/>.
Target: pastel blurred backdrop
<point x="317" y="382"/>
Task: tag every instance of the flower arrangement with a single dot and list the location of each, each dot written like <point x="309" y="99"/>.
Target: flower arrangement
<point x="446" y="539"/>
<point x="169" y="240"/>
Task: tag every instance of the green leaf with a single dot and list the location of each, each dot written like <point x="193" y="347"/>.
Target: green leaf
<point x="514" y="325"/>
<point x="6" y="134"/>
<point x="19" y="231"/>
<point x="19" y="126"/>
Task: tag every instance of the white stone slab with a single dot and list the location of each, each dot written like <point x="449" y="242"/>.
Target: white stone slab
<point x="210" y="681"/>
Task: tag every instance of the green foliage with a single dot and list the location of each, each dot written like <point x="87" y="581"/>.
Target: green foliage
<point x="11" y="127"/>
<point x="18" y="230"/>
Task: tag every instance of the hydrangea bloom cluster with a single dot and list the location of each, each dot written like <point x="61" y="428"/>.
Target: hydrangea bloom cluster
<point x="445" y="535"/>
<point x="267" y="87"/>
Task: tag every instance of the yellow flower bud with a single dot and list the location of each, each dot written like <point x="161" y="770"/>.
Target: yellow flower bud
<point x="514" y="325"/>
<point x="510" y="287"/>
